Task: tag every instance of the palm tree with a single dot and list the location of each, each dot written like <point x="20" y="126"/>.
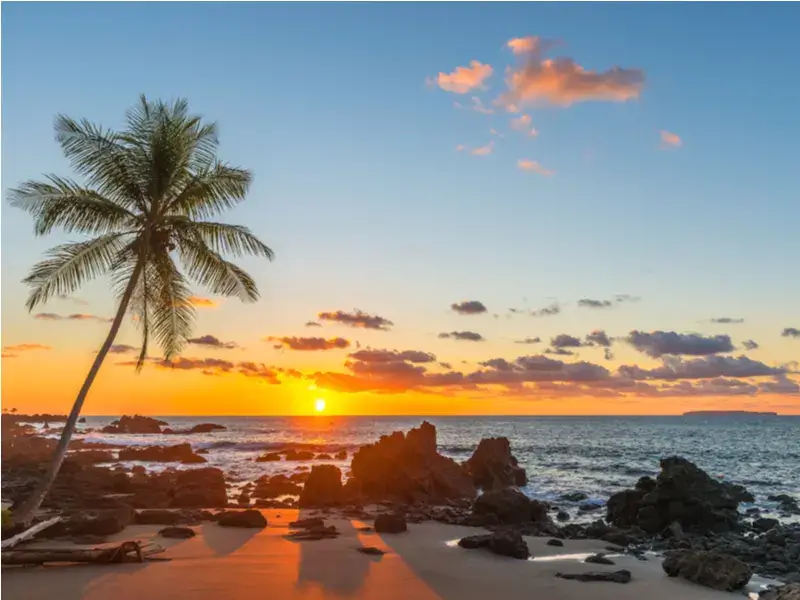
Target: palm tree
<point x="149" y="190"/>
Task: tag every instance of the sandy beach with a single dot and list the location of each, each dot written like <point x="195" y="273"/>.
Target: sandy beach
<point x="420" y="564"/>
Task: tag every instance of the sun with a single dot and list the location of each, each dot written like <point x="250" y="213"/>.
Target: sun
<point x="319" y="405"/>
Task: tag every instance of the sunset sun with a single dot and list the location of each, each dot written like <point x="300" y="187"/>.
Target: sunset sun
<point x="319" y="405"/>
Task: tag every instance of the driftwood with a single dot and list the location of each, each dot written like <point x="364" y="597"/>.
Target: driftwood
<point x="29" y="533"/>
<point x="124" y="552"/>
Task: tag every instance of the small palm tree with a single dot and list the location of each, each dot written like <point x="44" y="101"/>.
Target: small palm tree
<point x="149" y="190"/>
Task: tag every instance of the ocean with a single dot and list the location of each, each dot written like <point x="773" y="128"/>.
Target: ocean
<point x="593" y="455"/>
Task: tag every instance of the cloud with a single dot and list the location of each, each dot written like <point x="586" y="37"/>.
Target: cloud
<point x="468" y="307"/>
<point x="561" y="81"/>
<point x="479" y="106"/>
<point x="261" y="371"/>
<point x="659" y="343"/>
<point x="590" y="303"/>
<point x="559" y="351"/>
<point x="460" y="148"/>
<point x="469" y="336"/>
<point x="563" y="340"/>
<point x="620" y="298"/>
<point x="791" y="332"/>
<point x="494" y="132"/>
<point x="607" y="354"/>
<point x="370" y="355"/>
<point x="217" y="366"/>
<point x="313" y="324"/>
<point x="547" y="311"/>
<point x="72" y="317"/>
<point x="599" y="337"/>
<point x="780" y="384"/>
<point x="358" y="319"/>
<point x="309" y="343"/>
<point x="726" y="320"/>
<point x="199" y="302"/>
<point x="670" y="140"/>
<point x="674" y="367"/>
<point x="483" y="150"/>
<point x="533" y="166"/>
<point x="529" y="340"/>
<point x="464" y="79"/>
<point x="750" y="344"/>
<point x="523" y="123"/>
<point x="11" y="351"/>
<point x="214" y="342"/>
<point x="122" y="349"/>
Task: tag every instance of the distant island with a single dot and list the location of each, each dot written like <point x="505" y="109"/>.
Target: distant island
<point x="728" y="413"/>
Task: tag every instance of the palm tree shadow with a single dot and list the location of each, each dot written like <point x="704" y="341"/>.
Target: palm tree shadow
<point x="74" y="579"/>
<point x="226" y="540"/>
<point x="338" y="571"/>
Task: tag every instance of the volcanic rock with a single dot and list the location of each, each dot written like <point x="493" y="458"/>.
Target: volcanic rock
<point x="245" y="518"/>
<point x="322" y="488"/>
<point x="390" y="523"/>
<point x="182" y="453"/>
<point x="134" y="424"/>
<point x="711" y="569"/>
<point x="492" y="466"/>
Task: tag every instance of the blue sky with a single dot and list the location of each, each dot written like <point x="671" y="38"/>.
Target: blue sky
<point x="360" y="191"/>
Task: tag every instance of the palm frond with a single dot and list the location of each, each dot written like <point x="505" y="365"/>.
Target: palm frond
<point x="211" y="191"/>
<point x="236" y="240"/>
<point x="173" y="314"/>
<point x="71" y="265"/>
<point x="219" y="276"/>
<point x="60" y="202"/>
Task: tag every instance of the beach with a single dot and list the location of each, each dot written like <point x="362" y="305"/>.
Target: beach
<point x="250" y="564"/>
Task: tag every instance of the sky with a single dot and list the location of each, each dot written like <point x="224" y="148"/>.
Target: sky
<point x="443" y="185"/>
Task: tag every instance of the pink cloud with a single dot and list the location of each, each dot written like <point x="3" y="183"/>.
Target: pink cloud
<point x="523" y="123"/>
<point x="464" y="79"/>
<point x="670" y="140"/>
<point x="483" y="150"/>
<point x="531" y="165"/>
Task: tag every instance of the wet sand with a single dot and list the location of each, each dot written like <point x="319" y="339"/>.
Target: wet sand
<point x="245" y="564"/>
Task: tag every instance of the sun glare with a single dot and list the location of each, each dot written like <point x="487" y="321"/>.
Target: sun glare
<point x="319" y="405"/>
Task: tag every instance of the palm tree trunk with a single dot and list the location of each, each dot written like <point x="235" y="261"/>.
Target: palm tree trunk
<point x="24" y="514"/>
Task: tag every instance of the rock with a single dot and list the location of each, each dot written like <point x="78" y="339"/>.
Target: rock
<point x="673" y="531"/>
<point x="683" y="493"/>
<point x="180" y="533"/>
<point x="199" y="488"/>
<point x="370" y="550"/>
<point x="574" y="497"/>
<point x="562" y="515"/>
<point x="509" y="505"/>
<point x="589" y="506"/>
<point x="492" y="466"/>
<point x="555" y="542"/>
<point x="90" y="457"/>
<point x="711" y="569"/>
<point x="275" y="486"/>
<point x="763" y="525"/>
<point x="310" y="523"/>
<point x="134" y="424"/>
<point x="269" y="457"/>
<point x="598" y="559"/>
<point x="323" y="457"/>
<point x="323" y="487"/>
<point x="244" y="518"/>
<point x="299" y="455"/>
<point x="407" y="469"/>
<point x="390" y="523"/>
<point x="785" y="503"/>
<point x="207" y="428"/>
<point x="178" y="453"/>
<point x="509" y="543"/>
<point x="341" y="455"/>
<point x="314" y="533"/>
<point x="100" y="522"/>
<point x="473" y="542"/>
<point x="784" y="592"/>
<point x="621" y="576"/>
<point x="775" y="566"/>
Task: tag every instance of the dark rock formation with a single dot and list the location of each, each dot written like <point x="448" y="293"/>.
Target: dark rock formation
<point x="370" y="550"/>
<point x="407" y="469"/>
<point x="310" y="523"/>
<point x="275" y="486"/>
<point x="390" y="523"/>
<point x="269" y="457"/>
<point x="341" y="455"/>
<point x="323" y="456"/>
<point x="598" y="559"/>
<point x="299" y="455"/>
<point x="505" y="542"/>
<point x="179" y="533"/>
<point x="711" y="569"/>
<point x="322" y="488"/>
<point x="245" y="518"/>
<point x="682" y="493"/>
<point x="201" y="428"/>
<point x="555" y="542"/>
<point x="315" y="533"/>
<point x="562" y="515"/>
<point x="492" y="466"/>
<point x="621" y="576"/>
<point x="182" y="453"/>
<point x="574" y="497"/>
<point x="765" y="524"/>
<point x="784" y="592"/>
<point x="199" y="488"/>
<point x="134" y="424"/>
<point x="511" y="506"/>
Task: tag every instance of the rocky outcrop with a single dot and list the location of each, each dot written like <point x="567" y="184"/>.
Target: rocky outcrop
<point x="269" y="457"/>
<point x="201" y="428"/>
<point x="275" y="486"/>
<point x="182" y="453"/>
<point x="322" y="488"/>
<point x="299" y="455"/>
<point x="681" y="493"/>
<point x="506" y="542"/>
<point x="621" y="576"/>
<point x="710" y="569"/>
<point x="199" y="488"/>
<point x="134" y="424"/>
<point x="492" y="466"/>
<point x="784" y="592"/>
<point x="407" y="469"/>
<point x="510" y="506"/>
<point x="245" y="518"/>
<point x="178" y="533"/>
<point x="390" y="523"/>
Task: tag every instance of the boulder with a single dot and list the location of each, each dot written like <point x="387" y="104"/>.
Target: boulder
<point x="207" y="428"/>
<point x="322" y="488"/>
<point x="90" y="457"/>
<point x="269" y="457"/>
<point x="199" y="488"/>
<point x="555" y="542"/>
<point x="134" y="424"/>
<point x="245" y="518"/>
<point x="309" y="523"/>
<point x="790" y="591"/>
<point x="182" y="453"/>
<point x="621" y="576"/>
<point x="473" y="542"/>
<point x="407" y="469"/>
<point x="390" y="523"/>
<point x="509" y="543"/>
<point x="100" y="522"/>
<point x="178" y="533"/>
<point x="681" y="493"/>
<point x="574" y="497"/>
<point x="509" y="505"/>
<point x="598" y="559"/>
<point x="341" y="455"/>
<point x="562" y="515"/>
<point x="711" y="569"/>
<point x="764" y="524"/>
<point x="275" y="486"/>
<point x="492" y="466"/>
<point x="323" y="456"/>
<point x="299" y="455"/>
